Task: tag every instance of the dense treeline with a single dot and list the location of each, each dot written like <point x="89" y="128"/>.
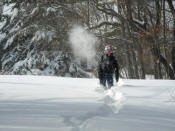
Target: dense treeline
<point x="141" y="31"/>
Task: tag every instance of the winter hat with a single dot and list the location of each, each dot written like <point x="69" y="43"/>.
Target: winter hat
<point x="108" y="49"/>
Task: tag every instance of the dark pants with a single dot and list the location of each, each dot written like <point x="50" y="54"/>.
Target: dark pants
<point x="107" y="78"/>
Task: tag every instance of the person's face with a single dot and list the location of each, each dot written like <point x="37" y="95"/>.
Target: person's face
<point x="108" y="50"/>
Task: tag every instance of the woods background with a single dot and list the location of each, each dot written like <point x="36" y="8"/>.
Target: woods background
<point x="34" y="36"/>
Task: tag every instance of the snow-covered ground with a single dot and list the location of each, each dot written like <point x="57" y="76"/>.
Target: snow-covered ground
<point x="40" y="103"/>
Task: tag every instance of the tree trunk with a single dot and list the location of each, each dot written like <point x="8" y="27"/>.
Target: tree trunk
<point x="156" y="43"/>
<point x="173" y="58"/>
<point x="1" y="53"/>
<point x="140" y="53"/>
<point x="159" y="57"/>
<point x="136" y="74"/>
<point x="156" y="73"/>
<point x="130" y="67"/>
<point x="170" y="3"/>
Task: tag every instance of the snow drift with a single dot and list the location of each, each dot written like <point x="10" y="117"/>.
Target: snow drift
<point x="41" y="103"/>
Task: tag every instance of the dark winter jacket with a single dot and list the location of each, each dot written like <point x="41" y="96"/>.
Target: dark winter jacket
<point x="108" y="65"/>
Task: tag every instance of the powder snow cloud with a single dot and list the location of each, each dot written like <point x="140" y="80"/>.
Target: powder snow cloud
<point x="83" y="43"/>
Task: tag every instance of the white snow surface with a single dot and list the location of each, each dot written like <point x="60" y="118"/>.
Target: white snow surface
<point x="15" y="14"/>
<point x="48" y="103"/>
<point x="9" y="42"/>
<point x="2" y="36"/>
<point x="2" y="24"/>
<point x="43" y="34"/>
<point x="8" y="9"/>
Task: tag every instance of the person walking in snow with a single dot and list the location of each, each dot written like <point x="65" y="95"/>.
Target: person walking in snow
<point x="108" y="66"/>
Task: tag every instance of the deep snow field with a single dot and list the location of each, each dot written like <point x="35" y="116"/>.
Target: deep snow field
<point x="45" y="103"/>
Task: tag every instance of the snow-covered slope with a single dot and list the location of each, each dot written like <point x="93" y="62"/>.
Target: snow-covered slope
<point x="40" y="103"/>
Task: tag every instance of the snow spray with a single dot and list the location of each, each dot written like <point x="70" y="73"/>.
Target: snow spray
<point x="83" y="44"/>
